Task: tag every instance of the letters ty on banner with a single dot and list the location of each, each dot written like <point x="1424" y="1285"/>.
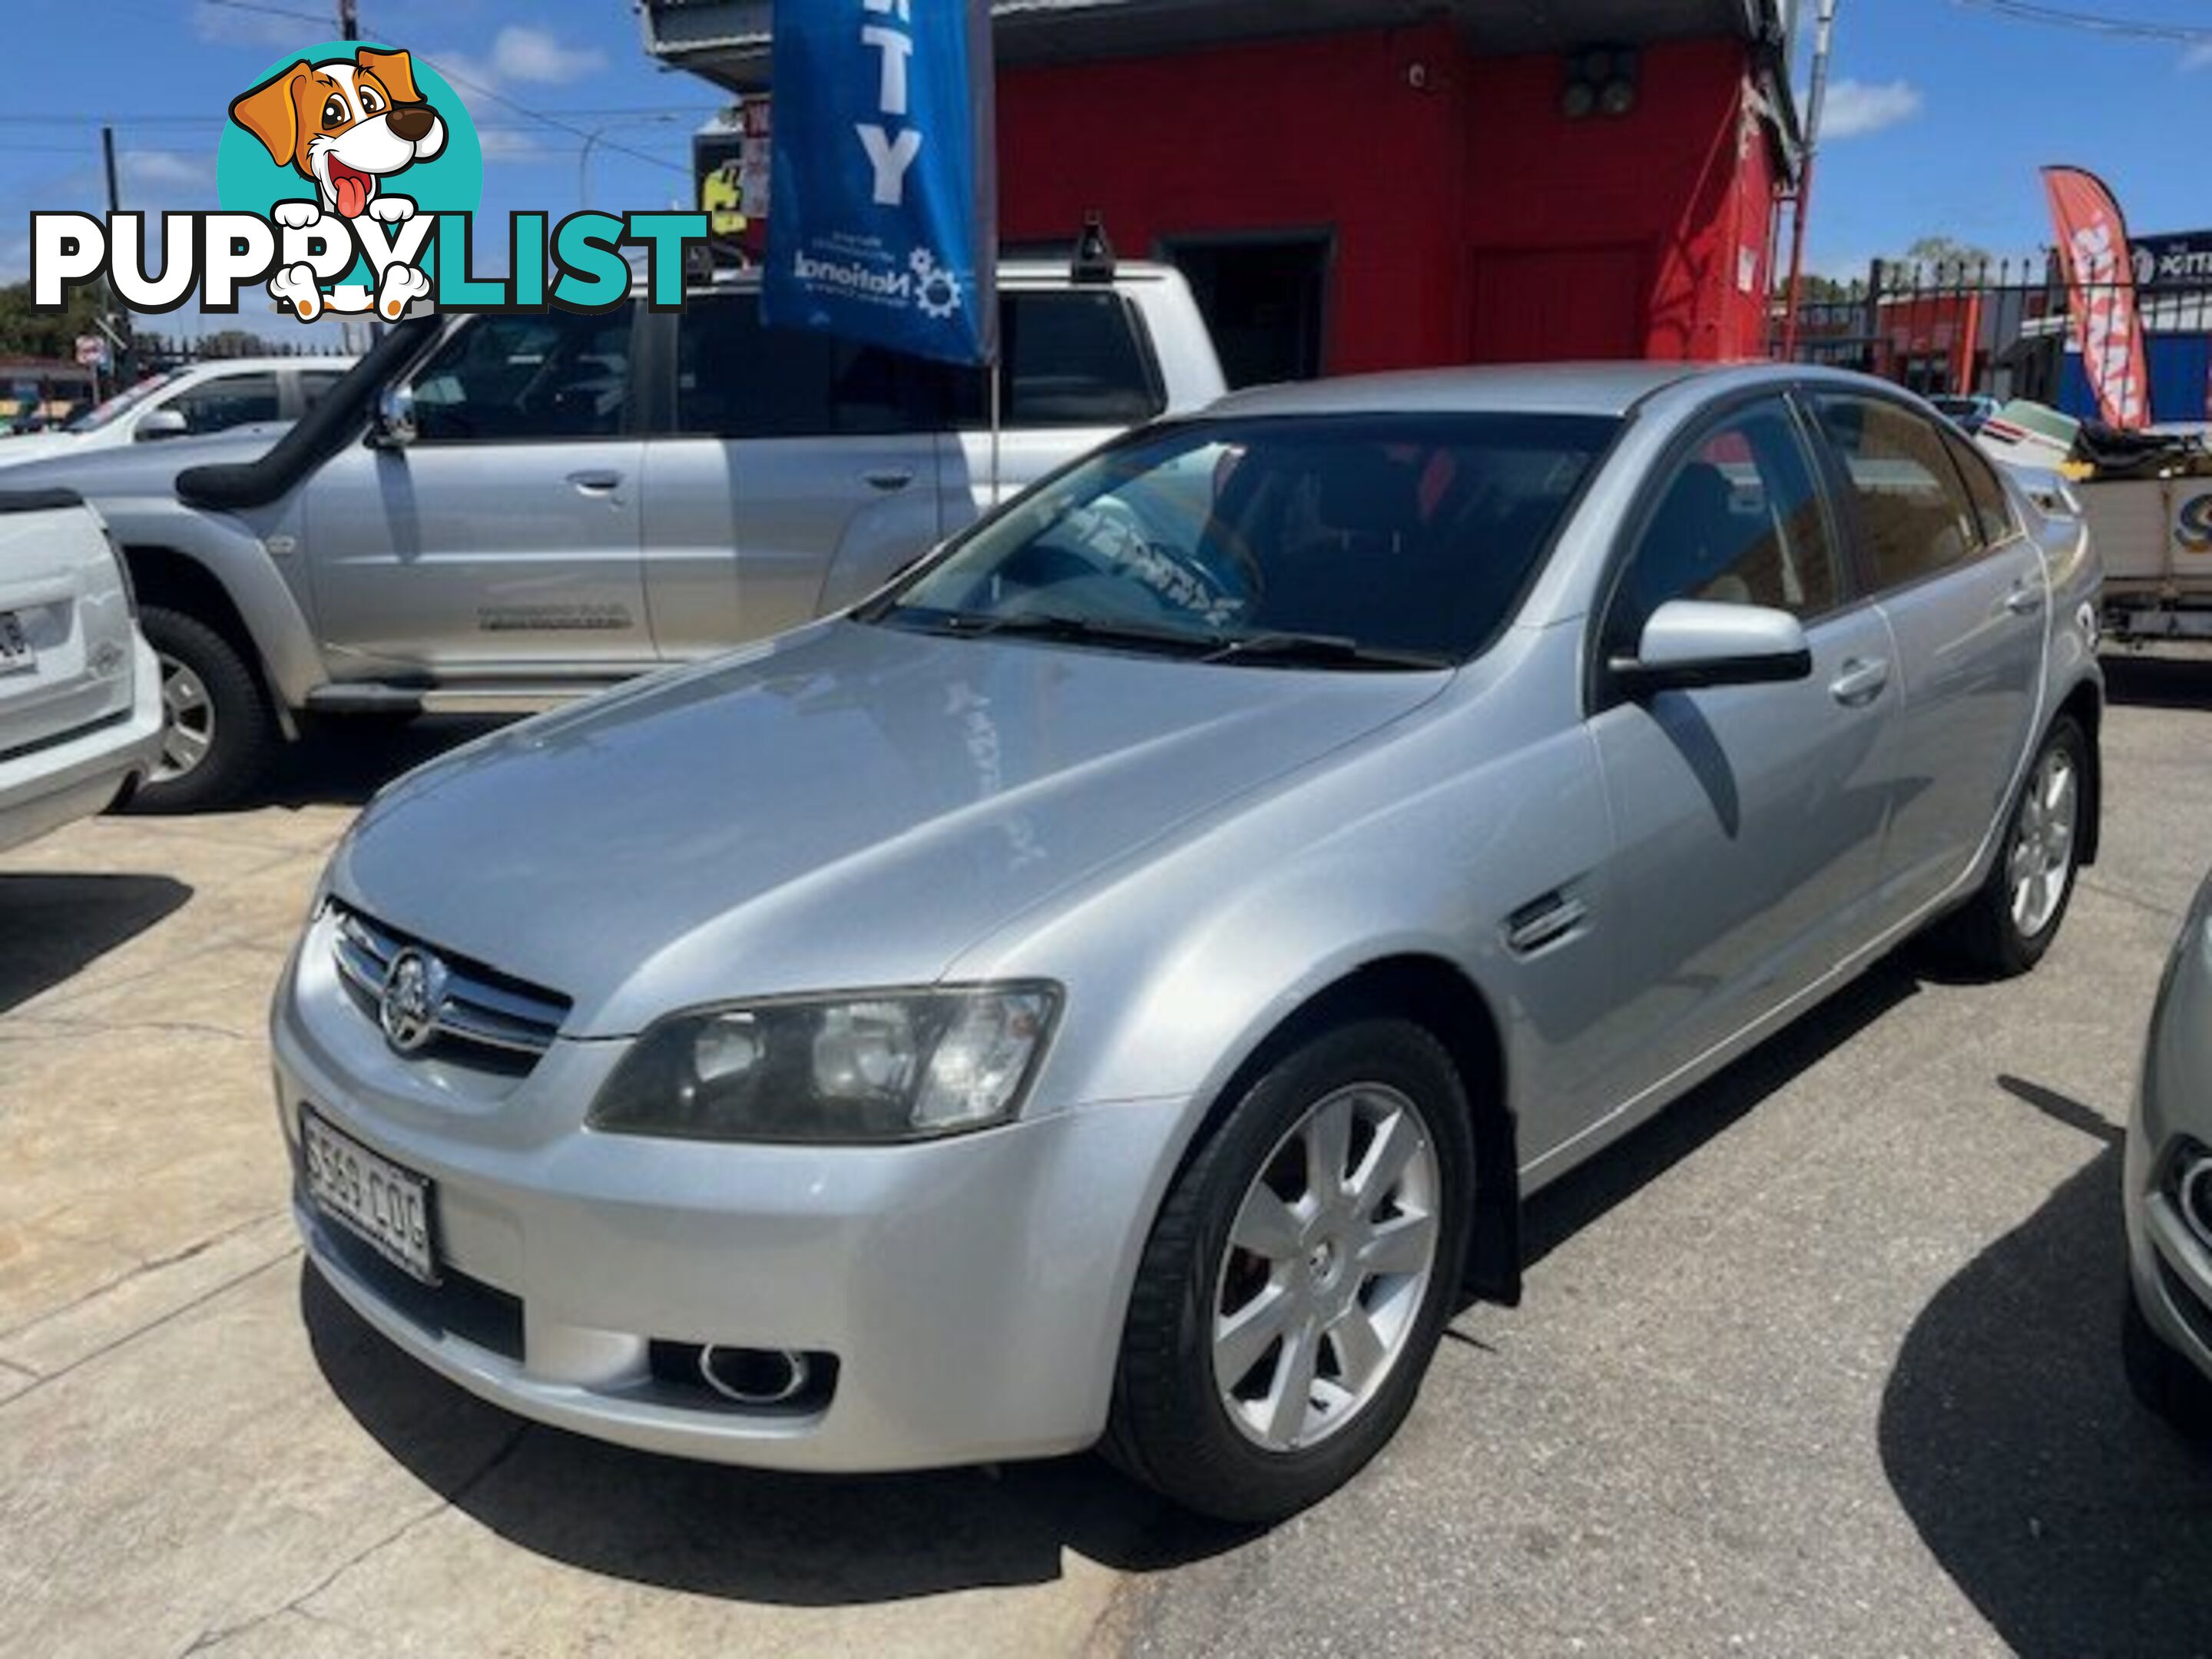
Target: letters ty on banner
<point x="885" y="169"/>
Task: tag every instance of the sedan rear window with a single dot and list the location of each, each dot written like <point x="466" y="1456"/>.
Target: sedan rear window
<point x="1370" y="540"/>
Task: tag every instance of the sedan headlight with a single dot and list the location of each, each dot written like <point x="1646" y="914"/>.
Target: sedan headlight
<point x="898" y="1066"/>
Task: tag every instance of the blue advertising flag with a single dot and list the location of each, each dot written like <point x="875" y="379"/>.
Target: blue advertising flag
<point x="884" y="226"/>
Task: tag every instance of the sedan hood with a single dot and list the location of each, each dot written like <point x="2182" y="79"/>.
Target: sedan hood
<point x="850" y="805"/>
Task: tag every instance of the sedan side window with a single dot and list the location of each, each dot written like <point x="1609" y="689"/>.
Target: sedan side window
<point x="1991" y="508"/>
<point x="559" y="374"/>
<point x="225" y="401"/>
<point x="1913" y="512"/>
<point x="1739" y="522"/>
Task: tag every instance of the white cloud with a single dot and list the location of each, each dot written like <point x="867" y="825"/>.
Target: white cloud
<point x="520" y="54"/>
<point x="511" y="144"/>
<point x="232" y="27"/>
<point x="155" y="168"/>
<point x="2198" y="56"/>
<point x="1856" y="108"/>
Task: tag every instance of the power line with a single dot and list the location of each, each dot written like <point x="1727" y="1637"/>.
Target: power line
<point x="2123" y="28"/>
<point x="542" y="117"/>
<point x="322" y="18"/>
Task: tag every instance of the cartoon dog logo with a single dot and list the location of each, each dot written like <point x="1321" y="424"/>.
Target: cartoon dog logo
<point x="346" y="126"/>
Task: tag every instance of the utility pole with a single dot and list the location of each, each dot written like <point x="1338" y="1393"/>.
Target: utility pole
<point x="349" y="20"/>
<point x="1824" y="28"/>
<point x="126" y="364"/>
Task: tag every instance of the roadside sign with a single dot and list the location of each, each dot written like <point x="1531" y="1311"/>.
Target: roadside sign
<point x="91" y="351"/>
<point x="729" y="158"/>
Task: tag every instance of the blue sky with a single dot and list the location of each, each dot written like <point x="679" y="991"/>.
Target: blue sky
<point x="1940" y="112"/>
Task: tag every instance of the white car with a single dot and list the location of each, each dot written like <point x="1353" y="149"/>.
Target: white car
<point x="189" y="403"/>
<point x="80" y="691"/>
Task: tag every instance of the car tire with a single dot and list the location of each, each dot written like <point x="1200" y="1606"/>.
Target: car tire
<point x="2164" y="1383"/>
<point x="2005" y="928"/>
<point x="1229" y="1446"/>
<point x="218" y="732"/>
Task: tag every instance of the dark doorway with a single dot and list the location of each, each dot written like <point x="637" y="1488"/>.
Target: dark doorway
<point x="1265" y="296"/>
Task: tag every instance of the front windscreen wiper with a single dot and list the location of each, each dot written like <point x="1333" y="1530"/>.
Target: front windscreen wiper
<point x="1280" y="649"/>
<point x="1321" y="651"/>
<point x="1050" y="625"/>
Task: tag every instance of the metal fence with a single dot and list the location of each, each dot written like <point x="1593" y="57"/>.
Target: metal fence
<point x="1997" y="327"/>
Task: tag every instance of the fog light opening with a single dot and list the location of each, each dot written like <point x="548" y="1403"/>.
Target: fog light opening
<point x="2193" y="1196"/>
<point x="755" y="1376"/>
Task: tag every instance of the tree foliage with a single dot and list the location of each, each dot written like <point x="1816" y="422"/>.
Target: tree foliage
<point x="27" y="334"/>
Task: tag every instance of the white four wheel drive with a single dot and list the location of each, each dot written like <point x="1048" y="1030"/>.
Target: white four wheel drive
<point x="80" y="714"/>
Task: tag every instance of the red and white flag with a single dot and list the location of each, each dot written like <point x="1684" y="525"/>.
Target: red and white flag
<point x="2093" y="240"/>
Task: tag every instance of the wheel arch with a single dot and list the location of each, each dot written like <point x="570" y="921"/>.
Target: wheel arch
<point x="1436" y="994"/>
<point x="2086" y="703"/>
<point x="258" y="615"/>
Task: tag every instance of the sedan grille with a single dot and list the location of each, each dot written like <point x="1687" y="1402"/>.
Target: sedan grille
<point x="478" y="1015"/>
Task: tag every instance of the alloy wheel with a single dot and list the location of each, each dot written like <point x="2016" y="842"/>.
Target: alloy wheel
<point x="187" y="721"/>
<point x="2041" y="856"/>
<point x="1328" y="1262"/>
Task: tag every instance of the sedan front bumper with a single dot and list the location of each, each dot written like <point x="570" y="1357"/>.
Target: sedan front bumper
<point x="971" y="1291"/>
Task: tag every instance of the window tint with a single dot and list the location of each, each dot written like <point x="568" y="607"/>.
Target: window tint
<point x="1074" y="358"/>
<point x="225" y="401"/>
<point x="1991" y="510"/>
<point x="1411" y="533"/>
<point x="736" y="378"/>
<point x="553" y="375"/>
<point x="315" y="385"/>
<point x="1738" y="523"/>
<point x="1913" y="512"/>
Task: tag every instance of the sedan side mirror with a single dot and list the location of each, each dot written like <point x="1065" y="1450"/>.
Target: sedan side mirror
<point x="159" y="423"/>
<point x="1692" y="643"/>
<point x="395" y="418"/>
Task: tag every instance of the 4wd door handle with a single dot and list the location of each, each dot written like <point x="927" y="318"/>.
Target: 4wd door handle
<point x="2024" y="601"/>
<point x="595" y="481"/>
<point x="1859" y="682"/>
<point x="888" y="479"/>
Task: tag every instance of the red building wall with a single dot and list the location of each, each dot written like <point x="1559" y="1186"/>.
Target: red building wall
<point x="1472" y="221"/>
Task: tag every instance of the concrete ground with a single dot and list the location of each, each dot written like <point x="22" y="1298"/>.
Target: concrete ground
<point x="1823" y="1362"/>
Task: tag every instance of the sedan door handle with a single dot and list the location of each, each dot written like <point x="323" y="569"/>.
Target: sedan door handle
<point x="888" y="479"/>
<point x="2024" y="600"/>
<point x="1859" y="682"/>
<point x="596" y="482"/>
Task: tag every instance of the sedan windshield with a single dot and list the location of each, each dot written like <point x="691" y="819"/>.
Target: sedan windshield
<point x="1399" y="541"/>
<point x="121" y="404"/>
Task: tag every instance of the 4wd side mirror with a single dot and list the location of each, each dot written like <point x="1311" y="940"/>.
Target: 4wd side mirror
<point x="159" y="423"/>
<point x="1692" y="643"/>
<point x="395" y="426"/>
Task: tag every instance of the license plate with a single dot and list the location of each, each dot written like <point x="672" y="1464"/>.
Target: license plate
<point x="370" y="1196"/>
<point x="17" y="656"/>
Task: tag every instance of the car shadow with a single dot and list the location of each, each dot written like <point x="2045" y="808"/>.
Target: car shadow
<point x="739" y="1535"/>
<point x="2158" y="681"/>
<point x="342" y="762"/>
<point x="58" y="925"/>
<point x="2074" y="1521"/>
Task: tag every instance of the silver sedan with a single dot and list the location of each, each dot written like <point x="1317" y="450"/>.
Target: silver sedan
<point x="1119" y="983"/>
<point x="2166" y="1339"/>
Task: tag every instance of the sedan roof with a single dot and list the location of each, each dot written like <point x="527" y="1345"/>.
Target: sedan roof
<point x="1533" y="389"/>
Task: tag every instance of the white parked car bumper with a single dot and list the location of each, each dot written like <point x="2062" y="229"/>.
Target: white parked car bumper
<point x="57" y="783"/>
